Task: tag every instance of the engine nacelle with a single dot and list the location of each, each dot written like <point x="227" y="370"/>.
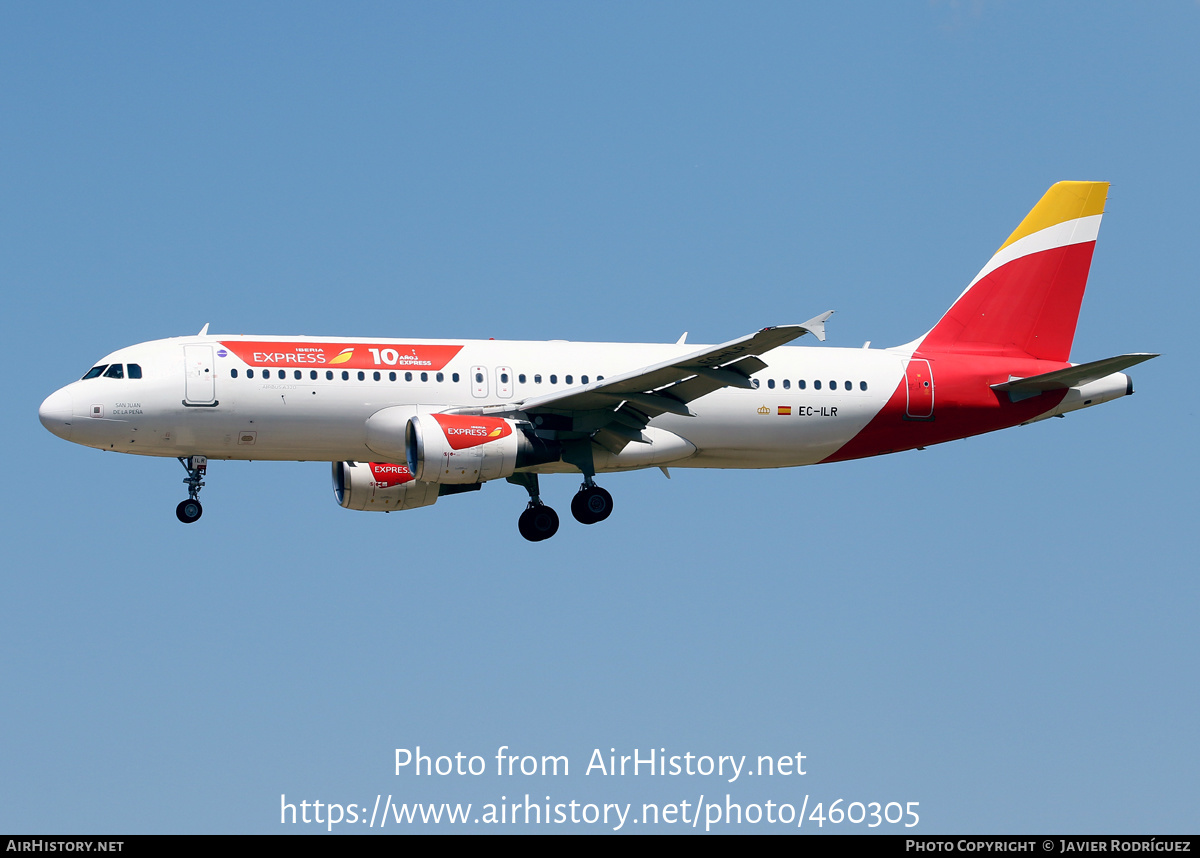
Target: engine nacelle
<point x="380" y="486"/>
<point x="458" y="448"/>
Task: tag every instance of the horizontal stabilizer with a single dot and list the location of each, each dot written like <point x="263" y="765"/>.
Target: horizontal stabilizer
<point x="1021" y="388"/>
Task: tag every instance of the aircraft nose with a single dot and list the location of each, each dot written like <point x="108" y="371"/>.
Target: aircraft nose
<point x="56" y="413"/>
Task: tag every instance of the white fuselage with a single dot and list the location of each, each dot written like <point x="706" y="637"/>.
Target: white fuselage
<point x="196" y="396"/>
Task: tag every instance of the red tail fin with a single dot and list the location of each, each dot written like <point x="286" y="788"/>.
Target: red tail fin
<point x="1025" y="301"/>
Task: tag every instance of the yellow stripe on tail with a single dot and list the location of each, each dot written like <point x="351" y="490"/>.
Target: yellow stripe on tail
<point x="1063" y="202"/>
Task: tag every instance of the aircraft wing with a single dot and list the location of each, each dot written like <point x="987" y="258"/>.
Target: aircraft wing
<point x="667" y="387"/>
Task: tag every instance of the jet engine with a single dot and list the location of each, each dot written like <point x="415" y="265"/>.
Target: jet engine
<point x="459" y="448"/>
<point x="380" y="486"/>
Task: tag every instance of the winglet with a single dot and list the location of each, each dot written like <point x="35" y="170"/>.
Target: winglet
<point x="816" y="325"/>
<point x="203" y="331"/>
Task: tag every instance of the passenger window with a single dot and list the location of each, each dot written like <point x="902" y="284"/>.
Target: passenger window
<point x="479" y="378"/>
<point x="521" y="378"/>
<point x="312" y="375"/>
<point x="115" y="371"/>
<point x="345" y="375"/>
<point x="771" y="383"/>
<point x="362" y="376"/>
<point x="249" y="373"/>
<point x="787" y="384"/>
<point x="440" y="377"/>
<point x="833" y="385"/>
<point x="454" y="378"/>
<point x="503" y="378"/>
<point x="424" y="376"/>
<point x="329" y="375"/>
<point x="232" y="373"/>
<point x="583" y="379"/>
<point x="408" y="376"/>
<point x="377" y="376"/>
<point x="754" y="381"/>
<point x="862" y="385"/>
<point x="554" y="379"/>
<point x="817" y="384"/>
<point x="134" y="370"/>
<point x="569" y="381"/>
<point x="537" y="379"/>
<point x="849" y="385"/>
<point x="297" y="374"/>
<point x="802" y="384"/>
<point x="599" y="378"/>
<point x="391" y="376"/>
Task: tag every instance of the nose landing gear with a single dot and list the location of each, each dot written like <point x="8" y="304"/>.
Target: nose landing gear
<point x="190" y="510"/>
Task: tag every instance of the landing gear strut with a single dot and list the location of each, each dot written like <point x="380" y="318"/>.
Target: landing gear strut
<point x="539" y="521"/>
<point x="190" y="510"/>
<point x="591" y="503"/>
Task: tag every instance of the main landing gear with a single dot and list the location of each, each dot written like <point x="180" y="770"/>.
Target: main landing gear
<point x="590" y="505"/>
<point x="190" y="510"/>
<point x="539" y="521"/>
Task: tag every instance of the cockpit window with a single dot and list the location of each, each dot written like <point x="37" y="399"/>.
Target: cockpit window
<point x="95" y="372"/>
<point x="115" y="371"/>
<point x="134" y="370"/>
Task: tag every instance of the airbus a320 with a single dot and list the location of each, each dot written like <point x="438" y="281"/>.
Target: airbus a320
<point x="406" y="421"/>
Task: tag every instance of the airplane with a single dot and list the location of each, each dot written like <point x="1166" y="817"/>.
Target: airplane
<point x="407" y="421"/>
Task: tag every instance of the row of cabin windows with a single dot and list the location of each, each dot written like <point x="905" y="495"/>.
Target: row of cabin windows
<point x="114" y="370"/>
<point x="802" y="384"/>
<point x="135" y="371"/>
<point x="329" y="375"/>
<point x="298" y="375"/>
<point x="537" y="379"/>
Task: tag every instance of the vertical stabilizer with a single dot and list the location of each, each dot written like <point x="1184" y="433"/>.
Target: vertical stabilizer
<point x="1025" y="301"/>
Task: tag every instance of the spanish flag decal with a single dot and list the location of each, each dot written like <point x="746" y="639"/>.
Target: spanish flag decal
<point x="343" y="356"/>
<point x="785" y="410"/>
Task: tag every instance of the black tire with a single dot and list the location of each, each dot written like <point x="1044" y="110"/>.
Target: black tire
<point x="189" y="511"/>
<point x="538" y="523"/>
<point x="590" y="506"/>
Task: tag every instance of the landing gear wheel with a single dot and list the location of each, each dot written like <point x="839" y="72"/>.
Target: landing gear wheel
<point x="188" y="511"/>
<point x="538" y="522"/>
<point x="591" y="504"/>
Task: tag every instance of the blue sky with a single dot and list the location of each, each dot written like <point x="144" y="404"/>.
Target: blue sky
<point x="1002" y="629"/>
